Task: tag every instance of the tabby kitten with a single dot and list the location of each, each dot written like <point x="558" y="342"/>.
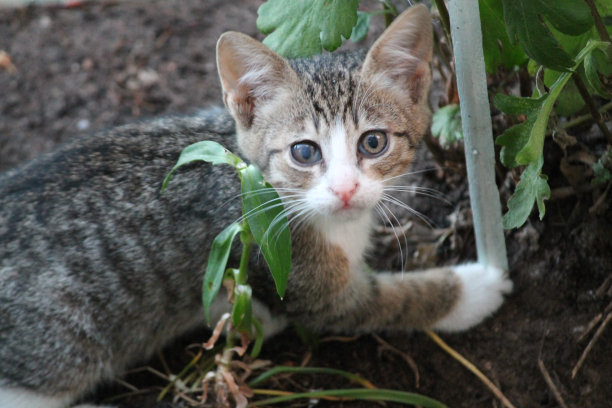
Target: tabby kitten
<point x="98" y="269"/>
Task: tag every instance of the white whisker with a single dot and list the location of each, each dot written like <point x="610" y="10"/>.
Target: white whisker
<point x="380" y="208"/>
<point x="423" y="191"/>
<point x="422" y="217"/>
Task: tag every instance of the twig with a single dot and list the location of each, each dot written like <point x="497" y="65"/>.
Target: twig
<point x="551" y="384"/>
<point x="604" y="287"/>
<point x="411" y="363"/>
<point x="589" y="346"/>
<point x="596" y="208"/>
<point x="584" y="92"/>
<point x="561" y="193"/>
<point x="467" y="364"/>
<point x="579" y="120"/>
<point x="126" y="384"/>
<point x="599" y="24"/>
<point x="592" y="324"/>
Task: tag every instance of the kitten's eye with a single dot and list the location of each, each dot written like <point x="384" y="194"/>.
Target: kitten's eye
<point x="306" y="152"/>
<point x="373" y="143"/>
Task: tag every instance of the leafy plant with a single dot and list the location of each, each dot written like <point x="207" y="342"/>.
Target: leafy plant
<point x="563" y="44"/>
<point x="565" y="47"/>
<point x="301" y="28"/>
<point x="446" y="125"/>
<point x="263" y="222"/>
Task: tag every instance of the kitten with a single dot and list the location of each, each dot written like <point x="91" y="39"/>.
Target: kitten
<point x="98" y="269"/>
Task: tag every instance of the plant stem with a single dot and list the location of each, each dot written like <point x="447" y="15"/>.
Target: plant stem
<point x="578" y="120"/>
<point x="390" y="12"/>
<point x="584" y="92"/>
<point x="599" y="24"/>
<point x="476" y="124"/>
<point x="444" y="17"/>
<point x="246" y="239"/>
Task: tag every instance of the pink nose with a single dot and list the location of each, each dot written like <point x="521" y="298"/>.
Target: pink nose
<point x="345" y="192"/>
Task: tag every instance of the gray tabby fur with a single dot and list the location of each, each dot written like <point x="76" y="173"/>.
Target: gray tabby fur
<point x="98" y="268"/>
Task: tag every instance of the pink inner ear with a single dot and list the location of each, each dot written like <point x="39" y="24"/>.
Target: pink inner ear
<point x="250" y="73"/>
<point x="241" y="105"/>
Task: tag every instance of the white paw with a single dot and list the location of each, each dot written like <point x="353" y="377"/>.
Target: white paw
<point x="22" y="398"/>
<point x="271" y="323"/>
<point x="482" y="293"/>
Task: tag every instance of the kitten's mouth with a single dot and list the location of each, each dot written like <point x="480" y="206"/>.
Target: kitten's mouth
<point x="347" y="211"/>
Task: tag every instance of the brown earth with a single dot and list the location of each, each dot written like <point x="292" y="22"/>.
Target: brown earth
<point x="88" y="67"/>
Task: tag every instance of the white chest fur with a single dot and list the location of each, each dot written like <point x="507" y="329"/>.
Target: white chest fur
<point x="352" y="236"/>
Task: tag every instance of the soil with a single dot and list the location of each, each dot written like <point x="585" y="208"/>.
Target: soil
<point x="85" y="67"/>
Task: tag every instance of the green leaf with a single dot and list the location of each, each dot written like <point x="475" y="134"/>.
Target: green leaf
<point x="533" y="148"/>
<point x="259" y="338"/>
<point x="570" y="101"/>
<point x="264" y="212"/>
<point x="299" y="28"/>
<point x="516" y="138"/>
<point x="597" y="67"/>
<point x="514" y="105"/>
<point x="533" y="187"/>
<point x="208" y="151"/>
<point x="497" y="46"/>
<point x="363" y="394"/>
<point x="525" y="22"/>
<point x="242" y="311"/>
<point x="537" y="111"/>
<point x="602" y="175"/>
<point x="217" y="263"/>
<point x="265" y="376"/>
<point x="360" y="31"/>
<point x="446" y="125"/>
<point x="513" y="140"/>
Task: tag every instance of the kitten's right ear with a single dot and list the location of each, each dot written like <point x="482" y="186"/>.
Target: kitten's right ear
<point x="250" y="74"/>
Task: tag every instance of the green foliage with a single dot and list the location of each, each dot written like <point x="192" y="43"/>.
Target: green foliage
<point x="600" y="168"/>
<point x="363" y="394"/>
<point x="533" y="187"/>
<point x="523" y="144"/>
<point x="242" y="312"/>
<point x="446" y="125"/>
<point x="597" y="65"/>
<point x="204" y="151"/>
<point x="217" y="262"/>
<point x="264" y="222"/>
<point x="526" y="21"/>
<point x="299" y="28"/>
<point x="362" y="26"/>
<point x="497" y="46"/>
<point x="601" y="173"/>
<point x="264" y="212"/>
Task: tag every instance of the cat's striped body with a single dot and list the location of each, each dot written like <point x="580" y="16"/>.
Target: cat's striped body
<point x="98" y="268"/>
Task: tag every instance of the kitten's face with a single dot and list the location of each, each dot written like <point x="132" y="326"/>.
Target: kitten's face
<point x="332" y="145"/>
<point x="329" y="133"/>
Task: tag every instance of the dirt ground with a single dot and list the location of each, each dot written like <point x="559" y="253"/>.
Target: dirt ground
<point x="92" y="66"/>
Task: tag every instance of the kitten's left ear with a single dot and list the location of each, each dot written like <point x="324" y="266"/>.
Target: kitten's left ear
<point x="250" y="74"/>
<point x="399" y="59"/>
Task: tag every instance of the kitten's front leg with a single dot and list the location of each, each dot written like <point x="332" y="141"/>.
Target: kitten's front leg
<point x="481" y="292"/>
<point x="449" y="299"/>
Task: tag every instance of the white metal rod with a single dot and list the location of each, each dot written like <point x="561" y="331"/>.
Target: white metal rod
<point x="476" y="123"/>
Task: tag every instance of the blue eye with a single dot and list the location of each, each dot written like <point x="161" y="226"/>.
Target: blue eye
<point x="373" y="143"/>
<point x="306" y="152"/>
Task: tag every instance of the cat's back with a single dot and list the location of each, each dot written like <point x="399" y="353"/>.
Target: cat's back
<point x="91" y="251"/>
